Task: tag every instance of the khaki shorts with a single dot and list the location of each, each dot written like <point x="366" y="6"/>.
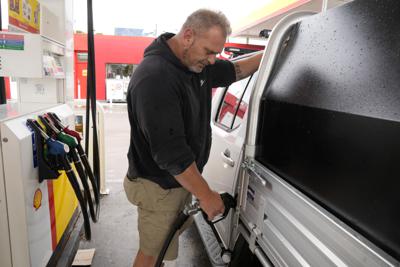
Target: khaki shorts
<point x="157" y="210"/>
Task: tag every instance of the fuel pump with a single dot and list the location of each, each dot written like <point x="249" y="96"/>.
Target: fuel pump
<point x="40" y="221"/>
<point x="96" y="188"/>
<point x="72" y="143"/>
<point x="58" y="151"/>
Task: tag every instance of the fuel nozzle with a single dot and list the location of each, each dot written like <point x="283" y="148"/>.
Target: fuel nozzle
<point x="58" y="152"/>
<point x="46" y="155"/>
<point x="59" y="135"/>
<point x="229" y="203"/>
<point x="192" y="209"/>
<point x="55" y="127"/>
<point x="54" y="147"/>
<point x="57" y="122"/>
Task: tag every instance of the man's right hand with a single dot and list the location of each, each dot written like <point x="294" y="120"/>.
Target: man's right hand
<point x="210" y="201"/>
<point x="212" y="204"/>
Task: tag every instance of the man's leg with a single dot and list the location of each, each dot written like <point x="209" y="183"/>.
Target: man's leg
<point x="157" y="210"/>
<point x="143" y="260"/>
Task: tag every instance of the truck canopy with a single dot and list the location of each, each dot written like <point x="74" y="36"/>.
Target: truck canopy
<point x="330" y="116"/>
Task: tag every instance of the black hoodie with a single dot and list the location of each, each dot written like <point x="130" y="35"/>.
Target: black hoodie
<point x="169" y="111"/>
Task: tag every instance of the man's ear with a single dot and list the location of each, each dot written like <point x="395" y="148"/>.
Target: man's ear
<point x="188" y="37"/>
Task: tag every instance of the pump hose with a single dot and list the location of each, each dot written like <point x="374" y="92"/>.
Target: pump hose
<point x="72" y="143"/>
<point x="91" y="96"/>
<point x="57" y="123"/>
<point x="82" y="175"/>
<point x="75" y="186"/>
<point x="229" y="203"/>
<point x="3" y="95"/>
<point x="92" y="179"/>
<point x="179" y="221"/>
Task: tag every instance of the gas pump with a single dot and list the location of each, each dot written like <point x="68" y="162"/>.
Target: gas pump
<point x="73" y="156"/>
<point x="43" y="173"/>
<point x="59" y="152"/>
<point x="83" y="157"/>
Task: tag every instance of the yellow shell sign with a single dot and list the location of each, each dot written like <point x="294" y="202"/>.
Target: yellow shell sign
<point x="24" y="14"/>
<point x="37" y="199"/>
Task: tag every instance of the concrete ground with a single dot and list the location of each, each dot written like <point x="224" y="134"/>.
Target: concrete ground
<point x="115" y="236"/>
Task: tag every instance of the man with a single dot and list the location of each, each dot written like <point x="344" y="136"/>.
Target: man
<point x="169" y="106"/>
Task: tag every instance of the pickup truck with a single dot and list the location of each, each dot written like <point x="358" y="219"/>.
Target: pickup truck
<point x="311" y="148"/>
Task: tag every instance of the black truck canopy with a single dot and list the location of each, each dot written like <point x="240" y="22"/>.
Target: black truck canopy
<point x="330" y="116"/>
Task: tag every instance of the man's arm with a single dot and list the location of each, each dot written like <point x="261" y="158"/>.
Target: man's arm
<point x="248" y="65"/>
<point x="210" y="201"/>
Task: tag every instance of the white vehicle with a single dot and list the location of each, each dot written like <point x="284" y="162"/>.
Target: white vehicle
<point x="314" y="159"/>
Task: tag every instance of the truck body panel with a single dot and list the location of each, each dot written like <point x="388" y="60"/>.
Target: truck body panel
<point x="317" y="179"/>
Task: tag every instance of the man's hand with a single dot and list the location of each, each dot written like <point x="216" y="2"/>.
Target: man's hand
<point x="210" y="201"/>
<point x="212" y="205"/>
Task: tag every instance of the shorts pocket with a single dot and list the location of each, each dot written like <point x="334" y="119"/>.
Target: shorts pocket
<point x="155" y="194"/>
<point x="175" y="200"/>
<point x="134" y="191"/>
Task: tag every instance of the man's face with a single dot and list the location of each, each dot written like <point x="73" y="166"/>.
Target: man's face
<point x="202" y="48"/>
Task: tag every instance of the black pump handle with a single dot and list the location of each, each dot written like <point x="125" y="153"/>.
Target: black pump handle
<point x="50" y="127"/>
<point x="54" y="120"/>
<point x="36" y="127"/>
<point x="229" y="203"/>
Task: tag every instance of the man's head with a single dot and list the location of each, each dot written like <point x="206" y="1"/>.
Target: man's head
<point x="202" y="37"/>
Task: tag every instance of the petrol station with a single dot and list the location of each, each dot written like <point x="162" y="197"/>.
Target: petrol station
<point x="43" y="163"/>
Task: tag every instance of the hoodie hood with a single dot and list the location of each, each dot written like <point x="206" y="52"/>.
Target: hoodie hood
<point x="159" y="47"/>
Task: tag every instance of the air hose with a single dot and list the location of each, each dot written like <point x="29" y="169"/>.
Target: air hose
<point x="72" y="144"/>
<point x="58" y="151"/>
<point x="191" y="209"/>
<point x="57" y="123"/>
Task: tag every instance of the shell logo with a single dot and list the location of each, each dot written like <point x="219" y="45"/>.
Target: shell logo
<point x="37" y="199"/>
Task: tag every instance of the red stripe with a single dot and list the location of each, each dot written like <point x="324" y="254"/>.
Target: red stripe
<point x="21" y="25"/>
<point x="8" y="90"/>
<point x="8" y="36"/>
<point x="52" y="214"/>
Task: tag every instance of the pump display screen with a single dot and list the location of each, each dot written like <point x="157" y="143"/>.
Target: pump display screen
<point x="330" y="117"/>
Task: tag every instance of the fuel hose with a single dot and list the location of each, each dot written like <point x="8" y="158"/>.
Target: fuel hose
<point x="75" y="185"/>
<point x="59" y="151"/>
<point x="179" y="221"/>
<point x="91" y="96"/>
<point x="71" y="142"/>
<point x="58" y="124"/>
<point x="229" y="203"/>
<point x="3" y="95"/>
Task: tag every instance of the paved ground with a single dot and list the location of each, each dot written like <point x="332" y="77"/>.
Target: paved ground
<point x="115" y="236"/>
